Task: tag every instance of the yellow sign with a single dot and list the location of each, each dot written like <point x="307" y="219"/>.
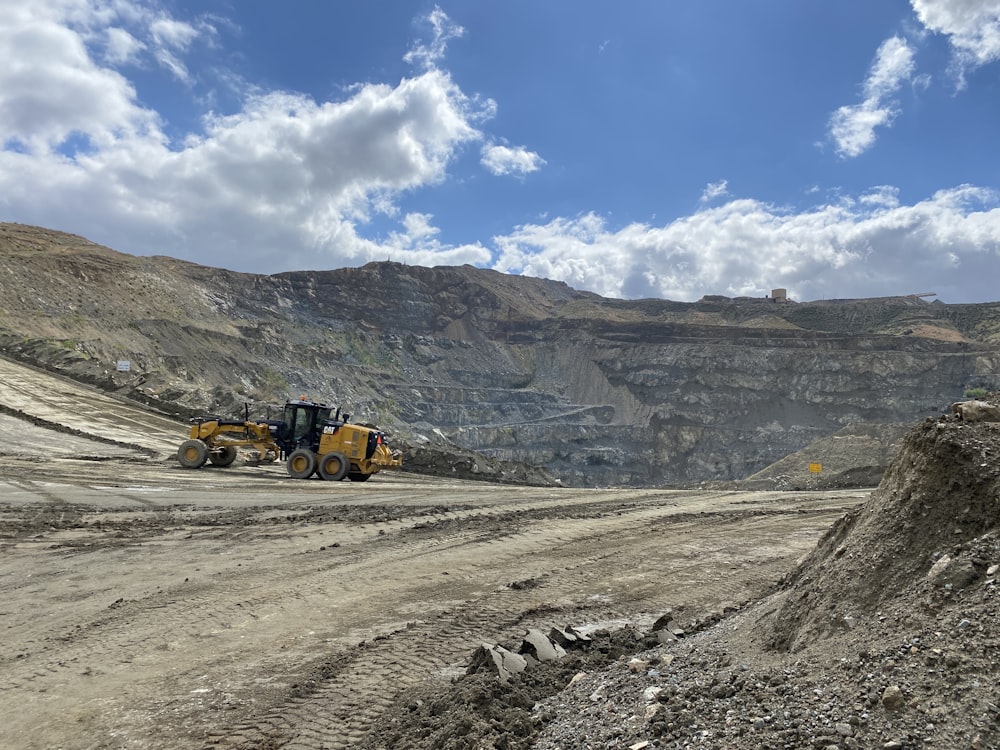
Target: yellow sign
<point x="815" y="468"/>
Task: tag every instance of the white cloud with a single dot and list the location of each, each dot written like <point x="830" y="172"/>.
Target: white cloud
<point x="282" y="174"/>
<point x="287" y="182"/>
<point x="893" y="65"/>
<point x="121" y="47"/>
<point x="852" y="127"/>
<point x="171" y="39"/>
<point x="972" y="28"/>
<point x="55" y="90"/>
<point x="504" y="160"/>
<point x="871" y="246"/>
<point x="419" y="244"/>
<point x="885" y="196"/>
<point x="715" y="190"/>
<point x="282" y="183"/>
<point x="58" y="89"/>
<point x="426" y="54"/>
<point x="169" y="32"/>
<point x="418" y="227"/>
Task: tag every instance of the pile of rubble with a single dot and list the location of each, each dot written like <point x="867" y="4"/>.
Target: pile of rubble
<point x="886" y="636"/>
<point x="441" y="457"/>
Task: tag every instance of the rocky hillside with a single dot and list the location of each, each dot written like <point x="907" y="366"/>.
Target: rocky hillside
<point x="599" y="391"/>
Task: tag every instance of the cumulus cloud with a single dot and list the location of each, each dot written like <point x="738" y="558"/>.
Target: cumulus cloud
<point x="505" y="160"/>
<point x="282" y="183"/>
<point x="860" y="247"/>
<point x="852" y="127"/>
<point x="282" y="176"/>
<point x="55" y="89"/>
<point x="65" y="83"/>
<point x="972" y="28"/>
<point x="419" y="244"/>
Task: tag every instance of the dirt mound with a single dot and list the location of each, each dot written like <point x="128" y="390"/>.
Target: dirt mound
<point x="919" y="675"/>
<point x="942" y="490"/>
<point x="885" y="636"/>
<point x="479" y="710"/>
<point x="444" y="458"/>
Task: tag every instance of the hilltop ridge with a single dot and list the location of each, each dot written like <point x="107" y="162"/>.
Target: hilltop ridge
<point x="599" y="391"/>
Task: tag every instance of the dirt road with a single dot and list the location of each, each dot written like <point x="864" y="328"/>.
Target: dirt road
<point x="147" y="606"/>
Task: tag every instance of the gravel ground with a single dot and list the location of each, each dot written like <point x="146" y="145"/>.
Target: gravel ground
<point x="886" y="636"/>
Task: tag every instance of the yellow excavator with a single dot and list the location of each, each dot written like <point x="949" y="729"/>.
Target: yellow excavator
<point x="310" y="436"/>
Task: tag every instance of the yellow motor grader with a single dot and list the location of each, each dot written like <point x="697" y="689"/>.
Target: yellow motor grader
<point x="311" y="437"/>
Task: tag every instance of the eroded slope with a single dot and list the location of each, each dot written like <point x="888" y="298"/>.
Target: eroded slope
<point x="599" y="391"/>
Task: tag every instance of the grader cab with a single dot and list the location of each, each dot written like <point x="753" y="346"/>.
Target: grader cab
<point x="310" y="436"/>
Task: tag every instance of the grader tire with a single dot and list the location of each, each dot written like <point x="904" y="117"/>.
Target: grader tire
<point x="192" y="454"/>
<point x="357" y="476"/>
<point x="333" y="466"/>
<point x="224" y="457"/>
<point x="301" y="463"/>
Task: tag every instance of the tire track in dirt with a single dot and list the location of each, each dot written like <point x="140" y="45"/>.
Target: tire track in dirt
<point x="36" y="394"/>
<point x="339" y="713"/>
<point x="570" y="546"/>
<point x="128" y="626"/>
<point x="103" y="628"/>
<point x="492" y="518"/>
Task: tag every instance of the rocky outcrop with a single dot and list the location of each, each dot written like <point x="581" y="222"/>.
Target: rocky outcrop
<point x="522" y="370"/>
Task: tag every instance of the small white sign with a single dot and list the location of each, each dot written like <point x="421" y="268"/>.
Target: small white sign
<point x="124" y="365"/>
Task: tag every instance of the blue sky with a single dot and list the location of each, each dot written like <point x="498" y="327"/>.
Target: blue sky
<point x="839" y="148"/>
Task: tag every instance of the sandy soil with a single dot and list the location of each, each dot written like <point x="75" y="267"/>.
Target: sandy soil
<point x="147" y="606"/>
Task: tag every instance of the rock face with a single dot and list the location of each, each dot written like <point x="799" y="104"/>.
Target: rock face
<point x="598" y="391"/>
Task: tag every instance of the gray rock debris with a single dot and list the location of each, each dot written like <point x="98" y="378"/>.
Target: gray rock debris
<point x="892" y="698"/>
<point x="666" y="629"/>
<point x="505" y="662"/>
<point x="976" y="411"/>
<point x="537" y="645"/>
<point x="956" y="573"/>
<point x="568" y="637"/>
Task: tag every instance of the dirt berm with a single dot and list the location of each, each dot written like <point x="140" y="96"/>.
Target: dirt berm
<point x="886" y="636"/>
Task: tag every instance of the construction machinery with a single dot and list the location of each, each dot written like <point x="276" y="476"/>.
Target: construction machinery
<point x="311" y="437"/>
